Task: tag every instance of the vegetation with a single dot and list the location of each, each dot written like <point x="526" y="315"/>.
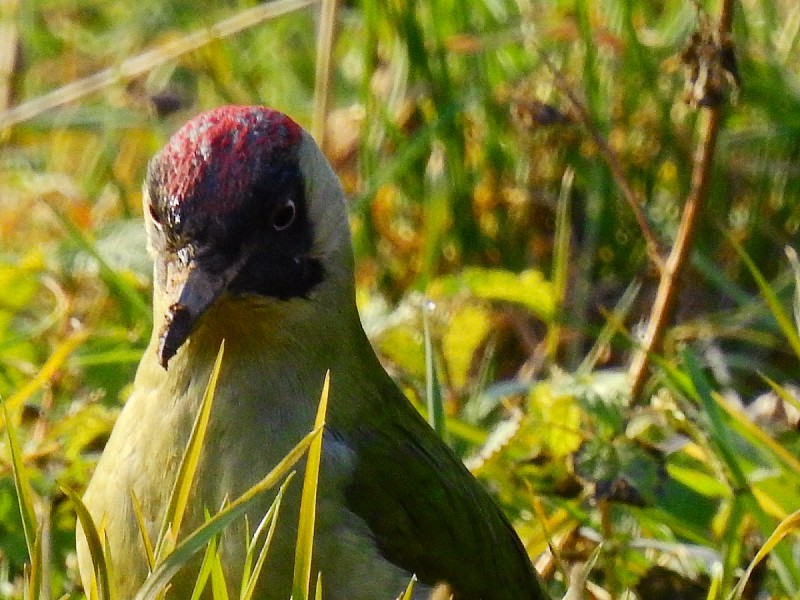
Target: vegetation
<point x="520" y="172"/>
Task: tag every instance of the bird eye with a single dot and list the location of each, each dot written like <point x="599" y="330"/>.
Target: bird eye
<point x="284" y="216"/>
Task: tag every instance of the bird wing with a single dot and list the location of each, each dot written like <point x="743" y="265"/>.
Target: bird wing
<point x="429" y="515"/>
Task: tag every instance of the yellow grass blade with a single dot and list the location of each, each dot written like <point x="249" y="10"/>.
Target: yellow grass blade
<point x="164" y="572"/>
<point x="183" y="483"/>
<point x="318" y="595"/>
<point x="308" y="504"/>
<point x="45" y="374"/>
<point x="787" y="526"/>
<point x="99" y="561"/>
<point x="409" y="588"/>
<point x="148" y="546"/>
<point x="781" y="392"/>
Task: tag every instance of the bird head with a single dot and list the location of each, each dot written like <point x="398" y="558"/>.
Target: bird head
<point x="241" y="203"/>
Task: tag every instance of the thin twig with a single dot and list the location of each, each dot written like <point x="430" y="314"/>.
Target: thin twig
<point x="150" y="59"/>
<point x="666" y="295"/>
<point x="326" y="37"/>
<point x="610" y="158"/>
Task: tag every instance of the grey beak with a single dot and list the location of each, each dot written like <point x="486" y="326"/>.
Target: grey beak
<point x="196" y="288"/>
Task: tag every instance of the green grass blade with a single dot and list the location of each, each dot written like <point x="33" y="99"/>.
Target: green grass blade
<point x="433" y="387"/>
<point x="745" y="498"/>
<point x="195" y="541"/>
<point x="308" y="504"/>
<point x="34" y="575"/>
<point x="179" y="498"/>
<point x="250" y="544"/>
<point x="219" y="589"/>
<point x="757" y="437"/>
<point x="272" y="518"/>
<point x="22" y="484"/>
<point x="612" y="326"/>
<point x="718" y="431"/>
<point x="776" y="308"/>
<point x="794" y="262"/>
<point x="561" y="256"/>
<point x="100" y="563"/>
<point x="205" y="569"/>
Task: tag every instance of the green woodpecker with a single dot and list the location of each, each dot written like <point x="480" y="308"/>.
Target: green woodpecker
<point x="248" y="227"/>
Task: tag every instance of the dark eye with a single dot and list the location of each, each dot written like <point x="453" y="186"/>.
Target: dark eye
<point x="284" y="216"/>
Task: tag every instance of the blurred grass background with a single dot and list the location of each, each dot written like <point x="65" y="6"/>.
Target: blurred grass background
<point x="473" y="183"/>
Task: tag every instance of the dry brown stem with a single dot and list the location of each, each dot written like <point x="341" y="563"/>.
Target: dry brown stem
<point x="150" y="59"/>
<point x="662" y="310"/>
<point x="326" y="37"/>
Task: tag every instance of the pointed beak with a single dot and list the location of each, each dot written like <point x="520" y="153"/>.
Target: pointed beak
<point x="195" y="288"/>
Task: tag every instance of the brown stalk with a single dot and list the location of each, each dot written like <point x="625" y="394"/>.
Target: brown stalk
<point x="326" y="37"/>
<point x="662" y="310"/>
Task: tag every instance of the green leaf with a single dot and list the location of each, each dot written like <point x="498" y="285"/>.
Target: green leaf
<point x="622" y="470"/>
<point x="558" y="417"/>
<point x="467" y="327"/>
<point x="528" y="288"/>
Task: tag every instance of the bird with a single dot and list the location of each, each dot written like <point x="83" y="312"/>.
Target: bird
<point x="248" y="227"/>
